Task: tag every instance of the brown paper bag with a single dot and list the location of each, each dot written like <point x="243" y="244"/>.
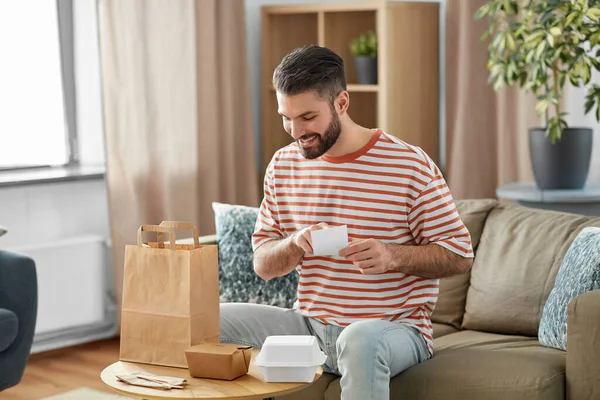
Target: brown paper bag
<point x="170" y="297"/>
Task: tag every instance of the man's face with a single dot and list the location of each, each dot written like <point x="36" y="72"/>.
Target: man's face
<point x="311" y="121"/>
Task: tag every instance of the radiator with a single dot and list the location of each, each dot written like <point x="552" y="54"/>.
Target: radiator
<point x="75" y="304"/>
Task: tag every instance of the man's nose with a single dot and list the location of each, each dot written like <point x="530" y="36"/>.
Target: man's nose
<point x="297" y="130"/>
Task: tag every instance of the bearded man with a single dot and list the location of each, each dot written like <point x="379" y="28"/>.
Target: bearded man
<point x="370" y="305"/>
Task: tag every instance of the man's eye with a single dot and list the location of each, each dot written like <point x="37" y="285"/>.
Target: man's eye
<point x="309" y="118"/>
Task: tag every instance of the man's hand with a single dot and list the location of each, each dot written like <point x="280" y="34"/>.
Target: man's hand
<point x="302" y="238"/>
<point x="369" y="255"/>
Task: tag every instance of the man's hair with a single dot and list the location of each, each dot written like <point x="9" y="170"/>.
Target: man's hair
<point x="311" y="68"/>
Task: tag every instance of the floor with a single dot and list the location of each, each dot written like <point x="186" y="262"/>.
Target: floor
<point x="63" y="370"/>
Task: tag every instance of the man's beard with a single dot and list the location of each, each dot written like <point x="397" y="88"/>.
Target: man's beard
<point x="324" y="141"/>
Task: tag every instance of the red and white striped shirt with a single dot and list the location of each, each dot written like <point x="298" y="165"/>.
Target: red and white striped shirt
<point x="388" y="190"/>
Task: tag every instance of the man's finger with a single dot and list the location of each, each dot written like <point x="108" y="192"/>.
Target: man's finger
<point x="354" y="247"/>
<point x="372" y="270"/>
<point x="366" y="264"/>
<point x="370" y="267"/>
<point x="306" y="245"/>
<point x="361" y="255"/>
<point x="320" y="225"/>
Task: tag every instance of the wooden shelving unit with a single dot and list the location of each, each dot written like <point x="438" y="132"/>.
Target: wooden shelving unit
<point x="405" y="100"/>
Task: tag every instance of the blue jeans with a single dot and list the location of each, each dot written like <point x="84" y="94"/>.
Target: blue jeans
<point x="365" y="354"/>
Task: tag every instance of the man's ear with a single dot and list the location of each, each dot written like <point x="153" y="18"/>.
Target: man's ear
<point x="342" y="102"/>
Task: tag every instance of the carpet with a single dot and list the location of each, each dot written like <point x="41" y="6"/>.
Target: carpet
<point x="85" y="393"/>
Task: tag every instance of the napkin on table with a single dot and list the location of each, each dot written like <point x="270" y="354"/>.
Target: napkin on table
<point x="146" y="379"/>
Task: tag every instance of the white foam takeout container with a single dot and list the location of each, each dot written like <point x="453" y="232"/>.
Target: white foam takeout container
<point x="290" y="358"/>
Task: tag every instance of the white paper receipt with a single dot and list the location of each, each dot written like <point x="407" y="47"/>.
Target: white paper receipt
<point x="329" y="241"/>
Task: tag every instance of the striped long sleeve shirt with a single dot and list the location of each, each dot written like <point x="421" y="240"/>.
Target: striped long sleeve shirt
<point x="388" y="190"/>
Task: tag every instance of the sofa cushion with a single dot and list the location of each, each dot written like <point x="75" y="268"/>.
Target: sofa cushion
<point x="9" y="326"/>
<point x="475" y="365"/>
<point x="450" y="306"/>
<point x="518" y="256"/>
<point x="579" y="273"/>
<point x="443" y="329"/>
<point x="237" y="280"/>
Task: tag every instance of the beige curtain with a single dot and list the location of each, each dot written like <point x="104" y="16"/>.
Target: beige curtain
<point x="487" y="131"/>
<point x="177" y="111"/>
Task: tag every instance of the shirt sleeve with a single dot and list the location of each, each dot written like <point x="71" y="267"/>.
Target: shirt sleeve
<point x="433" y="218"/>
<point x="267" y="224"/>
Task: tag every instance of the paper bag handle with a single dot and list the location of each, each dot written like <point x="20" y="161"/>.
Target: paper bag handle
<point x="161" y="230"/>
<point x="183" y="225"/>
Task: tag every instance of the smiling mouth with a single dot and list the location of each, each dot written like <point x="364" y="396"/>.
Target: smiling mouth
<point x="308" y="140"/>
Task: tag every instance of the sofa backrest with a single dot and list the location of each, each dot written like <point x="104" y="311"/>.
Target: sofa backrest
<point x="518" y="256"/>
<point x="453" y="290"/>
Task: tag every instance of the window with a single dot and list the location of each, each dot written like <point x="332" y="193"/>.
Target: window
<point x="33" y="115"/>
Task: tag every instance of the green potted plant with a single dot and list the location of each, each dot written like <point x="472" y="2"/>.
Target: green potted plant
<point x="364" y="50"/>
<point x="539" y="45"/>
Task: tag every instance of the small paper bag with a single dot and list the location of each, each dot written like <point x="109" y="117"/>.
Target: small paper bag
<point x="170" y="297"/>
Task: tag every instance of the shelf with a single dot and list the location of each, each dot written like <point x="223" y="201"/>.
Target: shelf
<point x="326" y="7"/>
<point x="404" y="101"/>
<point x="289" y="31"/>
<point x="363" y="109"/>
<point x="341" y="27"/>
<point x="351" y="87"/>
<point x="413" y="75"/>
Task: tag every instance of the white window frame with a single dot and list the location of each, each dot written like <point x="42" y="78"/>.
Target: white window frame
<point x="67" y="51"/>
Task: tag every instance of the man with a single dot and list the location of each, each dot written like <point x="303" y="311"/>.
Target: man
<point x="370" y="305"/>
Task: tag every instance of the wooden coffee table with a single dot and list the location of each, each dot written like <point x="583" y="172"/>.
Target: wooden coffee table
<point x="248" y="387"/>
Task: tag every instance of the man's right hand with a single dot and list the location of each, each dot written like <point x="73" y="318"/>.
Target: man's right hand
<point x="302" y="238"/>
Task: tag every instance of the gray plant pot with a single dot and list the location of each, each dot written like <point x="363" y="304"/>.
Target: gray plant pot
<point x="564" y="164"/>
<point x="366" y="69"/>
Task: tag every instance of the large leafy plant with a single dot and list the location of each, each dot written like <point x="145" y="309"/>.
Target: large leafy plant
<point x="539" y="44"/>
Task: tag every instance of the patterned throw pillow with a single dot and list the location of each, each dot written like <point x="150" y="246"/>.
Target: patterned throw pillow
<point x="237" y="279"/>
<point x="579" y="273"/>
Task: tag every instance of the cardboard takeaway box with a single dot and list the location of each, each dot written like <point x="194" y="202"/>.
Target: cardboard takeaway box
<point x="218" y="360"/>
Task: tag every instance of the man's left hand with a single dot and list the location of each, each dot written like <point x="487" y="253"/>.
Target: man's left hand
<point x="369" y="255"/>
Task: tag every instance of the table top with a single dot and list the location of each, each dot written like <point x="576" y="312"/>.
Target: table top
<point x="247" y="387"/>
<point x="528" y="191"/>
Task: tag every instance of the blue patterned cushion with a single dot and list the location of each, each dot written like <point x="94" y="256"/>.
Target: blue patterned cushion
<point x="237" y="279"/>
<point x="579" y="273"/>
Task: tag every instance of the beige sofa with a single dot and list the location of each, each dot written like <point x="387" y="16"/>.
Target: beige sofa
<point x="486" y="322"/>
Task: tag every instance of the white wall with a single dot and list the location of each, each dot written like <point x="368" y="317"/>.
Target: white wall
<point x="48" y="212"/>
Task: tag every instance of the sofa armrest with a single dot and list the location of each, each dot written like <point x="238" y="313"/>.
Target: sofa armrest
<point x="18" y="293"/>
<point x="583" y="347"/>
<point x="208" y="239"/>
